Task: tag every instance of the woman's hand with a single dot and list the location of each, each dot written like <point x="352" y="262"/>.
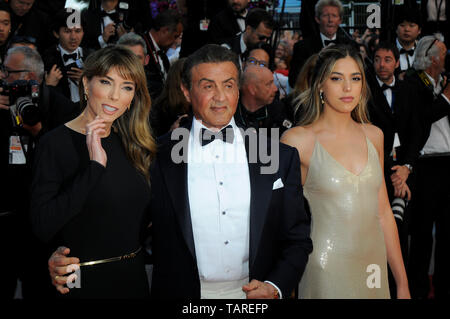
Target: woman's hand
<point x="94" y="130"/>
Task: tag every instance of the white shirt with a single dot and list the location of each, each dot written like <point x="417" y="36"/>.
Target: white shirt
<point x="388" y="92"/>
<point x="324" y="37"/>
<point x="219" y="200"/>
<point x="156" y="56"/>
<point x="432" y="10"/>
<point x="241" y="22"/>
<point x="404" y="58"/>
<point x="74" y="93"/>
<point x="106" y="20"/>
<point x="439" y="139"/>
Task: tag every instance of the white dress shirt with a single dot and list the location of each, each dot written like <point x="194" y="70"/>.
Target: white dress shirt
<point x="439" y="139"/>
<point x="74" y="93"/>
<point x="106" y="20"/>
<point x="219" y="200"/>
<point x="405" y="58"/>
<point x="323" y="37"/>
<point x="388" y="92"/>
<point x="241" y="21"/>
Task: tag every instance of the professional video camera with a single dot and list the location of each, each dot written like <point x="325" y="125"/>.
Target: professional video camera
<point x="23" y="99"/>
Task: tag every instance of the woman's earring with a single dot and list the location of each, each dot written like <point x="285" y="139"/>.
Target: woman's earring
<point x="86" y="97"/>
<point x="321" y="97"/>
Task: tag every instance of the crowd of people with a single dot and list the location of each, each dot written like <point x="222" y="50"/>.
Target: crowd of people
<point x="240" y="162"/>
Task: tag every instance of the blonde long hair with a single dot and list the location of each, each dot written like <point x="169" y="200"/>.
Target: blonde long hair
<point x="133" y="126"/>
<point x="310" y="101"/>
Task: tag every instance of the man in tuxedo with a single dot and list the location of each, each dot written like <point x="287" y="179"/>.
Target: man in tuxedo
<point x="64" y="62"/>
<point x="395" y="114"/>
<point x="258" y="29"/>
<point x="223" y="225"/>
<point x="166" y="29"/>
<point x="431" y="93"/>
<point x="329" y="15"/>
<point x="408" y="30"/>
<point x="229" y="22"/>
<point x="257" y="106"/>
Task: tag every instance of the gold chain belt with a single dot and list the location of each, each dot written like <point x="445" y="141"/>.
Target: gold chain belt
<point x="108" y="260"/>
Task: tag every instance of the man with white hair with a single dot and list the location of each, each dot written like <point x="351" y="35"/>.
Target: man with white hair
<point x="432" y="95"/>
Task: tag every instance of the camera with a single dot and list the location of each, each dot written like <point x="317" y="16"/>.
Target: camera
<point x="123" y="16"/>
<point x="398" y="208"/>
<point x="23" y="99"/>
<point x="77" y="64"/>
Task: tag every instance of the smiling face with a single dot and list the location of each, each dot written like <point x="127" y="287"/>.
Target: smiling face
<point x="329" y="21"/>
<point x="214" y="93"/>
<point x="342" y="90"/>
<point x="109" y="96"/>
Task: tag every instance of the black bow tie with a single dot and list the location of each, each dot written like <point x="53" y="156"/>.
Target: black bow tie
<point x="226" y="134"/>
<point x="409" y="52"/>
<point x="386" y="87"/>
<point x="327" y="42"/>
<point x="112" y="15"/>
<point x="67" y="57"/>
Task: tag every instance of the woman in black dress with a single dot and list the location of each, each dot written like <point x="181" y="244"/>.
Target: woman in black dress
<point x="91" y="184"/>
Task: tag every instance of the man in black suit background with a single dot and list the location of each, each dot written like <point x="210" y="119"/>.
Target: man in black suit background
<point x="224" y="224"/>
<point x="431" y="93"/>
<point x="259" y="25"/>
<point x="329" y="15"/>
<point x="391" y="109"/>
<point x="167" y="28"/>
<point x="64" y="62"/>
<point x="229" y="22"/>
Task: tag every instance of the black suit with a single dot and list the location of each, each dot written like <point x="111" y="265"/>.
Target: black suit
<point x="431" y="204"/>
<point x="53" y="56"/>
<point x="279" y="227"/>
<point x="304" y="49"/>
<point x="223" y="27"/>
<point x="154" y="70"/>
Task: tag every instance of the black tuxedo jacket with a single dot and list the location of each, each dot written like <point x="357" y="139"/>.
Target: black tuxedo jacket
<point x="279" y="227"/>
<point x="223" y="27"/>
<point x="430" y="108"/>
<point x="404" y="120"/>
<point x="51" y="57"/>
<point x="304" y="49"/>
<point x="155" y="73"/>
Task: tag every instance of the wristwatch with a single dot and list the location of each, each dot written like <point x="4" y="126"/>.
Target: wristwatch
<point x="409" y="167"/>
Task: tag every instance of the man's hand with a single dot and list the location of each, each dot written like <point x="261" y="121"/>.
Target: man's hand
<point x="57" y="266"/>
<point x="176" y="124"/>
<point x="75" y="74"/>
<point x="400" y="176"/>
<point x="259" y="290"/>
<point x="402" y="191"/>
<point x="109" y="31"/>
<point x="53" y="76"/>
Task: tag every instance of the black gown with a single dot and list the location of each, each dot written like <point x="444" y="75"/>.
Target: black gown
<point x="97" y="212"/>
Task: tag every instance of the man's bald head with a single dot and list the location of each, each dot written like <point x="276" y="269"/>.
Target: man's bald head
<point x="257" y="86"/>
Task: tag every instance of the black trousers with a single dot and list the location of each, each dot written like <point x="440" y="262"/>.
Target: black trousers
<point x="431" y="206"/>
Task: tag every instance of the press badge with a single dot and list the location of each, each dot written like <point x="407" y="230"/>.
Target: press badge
<point x="16" y="152"/>
<point x="204" y="24"/>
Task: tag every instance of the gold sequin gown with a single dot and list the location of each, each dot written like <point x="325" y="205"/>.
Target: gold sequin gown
<point x="345" y="230"/>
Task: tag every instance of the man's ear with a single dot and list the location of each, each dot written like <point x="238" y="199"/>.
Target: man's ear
<point x="55" y="34"/>
<point x="317" y="20"/>
<point x="186" y="93"/>
<point x="146" y="59"/>
<point x="397" y="64"/>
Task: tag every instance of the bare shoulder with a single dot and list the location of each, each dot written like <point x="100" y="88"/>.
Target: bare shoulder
<point x="375" y="135"/>
<point x="302" y="138"/>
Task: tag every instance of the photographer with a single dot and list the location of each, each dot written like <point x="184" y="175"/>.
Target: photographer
<point x="63" y="62"/>
<point x="28" y="109"/>
<point x="112" y="19"/>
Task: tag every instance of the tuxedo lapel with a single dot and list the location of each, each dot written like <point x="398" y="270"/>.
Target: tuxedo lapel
<point x="261" y="194"/>
<point x="175" y="176"/>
